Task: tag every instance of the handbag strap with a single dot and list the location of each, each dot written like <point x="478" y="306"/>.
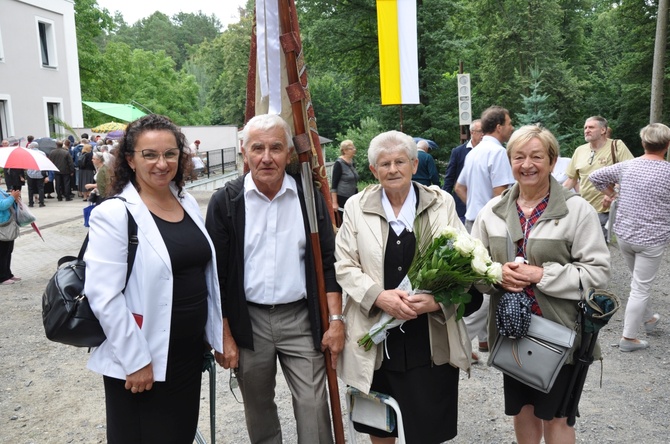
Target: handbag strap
<point x="613" y="148"/>
<point x="132" y="243"/>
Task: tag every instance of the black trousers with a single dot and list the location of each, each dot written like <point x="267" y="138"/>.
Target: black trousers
<point x="6" y="249"/>
<point x="35" y="186"/>
<point x="63" y="187"/>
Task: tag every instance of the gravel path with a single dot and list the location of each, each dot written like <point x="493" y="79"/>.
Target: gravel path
<point x="48" y="396"/>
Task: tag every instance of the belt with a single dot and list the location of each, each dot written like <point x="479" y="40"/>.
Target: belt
<point x="273" y="306"/>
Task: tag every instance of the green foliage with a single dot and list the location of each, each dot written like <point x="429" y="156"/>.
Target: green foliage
<point x="361" y="136"/>
<point x="595" y="57"/>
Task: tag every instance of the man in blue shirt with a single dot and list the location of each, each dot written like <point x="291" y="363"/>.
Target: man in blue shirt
<point x="426" y="173"/>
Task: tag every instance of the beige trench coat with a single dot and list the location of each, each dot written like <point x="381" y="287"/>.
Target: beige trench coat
<point x="359" y="252"/>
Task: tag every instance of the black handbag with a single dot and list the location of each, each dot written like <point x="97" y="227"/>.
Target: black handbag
<point x="66" y="313"/>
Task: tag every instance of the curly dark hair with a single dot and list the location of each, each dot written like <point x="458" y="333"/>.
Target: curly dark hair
<point x="123" y="173"/>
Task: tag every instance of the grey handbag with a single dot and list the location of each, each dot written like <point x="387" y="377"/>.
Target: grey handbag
<point x="537" y="358"/>
<point x="10" y="229"/>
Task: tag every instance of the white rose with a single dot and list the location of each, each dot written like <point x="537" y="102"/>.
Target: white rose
<point x="494" y="272"/>
<point x="480" y="251"/>
<point x="480" y="266"/>
<point x="464" y="244"/>
<point x="449" y="232"/>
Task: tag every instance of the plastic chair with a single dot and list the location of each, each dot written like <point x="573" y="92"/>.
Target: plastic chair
<point x="380" y="401"/>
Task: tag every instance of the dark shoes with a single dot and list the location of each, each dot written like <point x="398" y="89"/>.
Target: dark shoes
<point x="42" y="205"/>
<point x="30" y="204"/>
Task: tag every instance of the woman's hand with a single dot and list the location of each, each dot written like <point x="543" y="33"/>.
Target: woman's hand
<point x="422" y="303"/>
<point x="517" y="276"/>
<point x="141" y="380"/>
<point x="16" y="194"/>
<point x="393" y="302"/>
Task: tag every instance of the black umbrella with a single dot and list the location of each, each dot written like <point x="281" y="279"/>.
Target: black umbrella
<point x="597" y="307"/>
<point x="46" y="144"/>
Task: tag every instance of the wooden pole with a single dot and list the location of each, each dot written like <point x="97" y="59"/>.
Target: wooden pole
<point x="303" y="147"/>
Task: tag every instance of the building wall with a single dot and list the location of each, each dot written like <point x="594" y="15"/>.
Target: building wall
<point x="26" y="86"/>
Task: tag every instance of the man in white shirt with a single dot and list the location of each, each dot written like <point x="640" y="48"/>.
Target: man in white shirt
<point x="258" y="224"/>
<point x="487" y="173"/>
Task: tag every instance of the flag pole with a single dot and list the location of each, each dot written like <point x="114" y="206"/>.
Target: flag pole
<point x="303" y="140"/>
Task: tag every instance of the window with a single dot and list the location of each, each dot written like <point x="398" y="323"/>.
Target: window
<point x="2" y="52"/>
<point x="54" y="117"/>
<point x="47" y="43"/>
<point x="6" y="129"/>
<point x="3" y="120"/>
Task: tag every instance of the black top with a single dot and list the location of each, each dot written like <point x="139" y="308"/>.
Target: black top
<point x="408" y="346"/>
<point x="189" y="254"/>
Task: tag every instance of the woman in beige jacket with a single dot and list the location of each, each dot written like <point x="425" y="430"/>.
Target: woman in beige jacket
<point x="418" y="363"/>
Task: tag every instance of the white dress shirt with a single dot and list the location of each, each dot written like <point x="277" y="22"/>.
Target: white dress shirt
<point x="274" y="245"/>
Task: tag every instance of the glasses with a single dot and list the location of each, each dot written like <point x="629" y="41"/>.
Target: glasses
<point x="399" y="164"/>
<point x="171" y="155"/>
<point x="593" y="154"/>
<point x="476" y="131"/>
<point x="234" y="385"/>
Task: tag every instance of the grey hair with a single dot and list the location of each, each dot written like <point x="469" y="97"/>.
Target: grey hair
<point x="474" y="122"/>
<point x="266" y="122"/>
<point x="391" y="141"/>
<point x="32" y="145"/>
<point x="655" y="137"/>
<point x="601" y="121"/>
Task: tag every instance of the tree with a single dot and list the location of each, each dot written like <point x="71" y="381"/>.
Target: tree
<point x="536" y="107"/>
<point x="361" y="136"/>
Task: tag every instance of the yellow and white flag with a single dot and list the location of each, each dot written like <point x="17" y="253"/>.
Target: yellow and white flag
<point x="398" y="56"/>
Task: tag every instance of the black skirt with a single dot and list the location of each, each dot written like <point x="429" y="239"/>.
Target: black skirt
<point x="518" y="394"/>
<point x="428" y="400"/>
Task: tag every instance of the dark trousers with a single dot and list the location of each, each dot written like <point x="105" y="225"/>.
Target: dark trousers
<point x="35" y="186"/>
<point x="63" y="188"/>
<point x="6" y="249"/>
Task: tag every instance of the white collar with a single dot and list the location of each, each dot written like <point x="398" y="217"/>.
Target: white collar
<point x="405" y="219"/>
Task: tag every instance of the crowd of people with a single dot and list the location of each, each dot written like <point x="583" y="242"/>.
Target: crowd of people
<point x="244" y="280"/>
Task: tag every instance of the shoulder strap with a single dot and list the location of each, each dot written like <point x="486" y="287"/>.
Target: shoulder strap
<point x="613" y="148"/>
<point x="132" y="243"/>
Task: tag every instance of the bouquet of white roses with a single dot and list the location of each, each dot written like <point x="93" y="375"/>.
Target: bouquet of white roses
<point x="444" y="267"/>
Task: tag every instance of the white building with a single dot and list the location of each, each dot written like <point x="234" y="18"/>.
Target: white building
<point x="39" y="68"/>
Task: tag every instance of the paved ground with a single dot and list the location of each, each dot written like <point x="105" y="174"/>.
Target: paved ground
<point x="48" y="396"/>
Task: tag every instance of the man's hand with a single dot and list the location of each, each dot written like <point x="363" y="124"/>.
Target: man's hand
<point x="230" y="358"/>
<point x="333" y="340"/>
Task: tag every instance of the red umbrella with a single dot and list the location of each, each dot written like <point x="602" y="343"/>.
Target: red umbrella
<point x="37" y="230"/>
<point x="18" y="157"/>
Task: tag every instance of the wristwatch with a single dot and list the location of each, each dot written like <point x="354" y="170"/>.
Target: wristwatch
<point x="332" y="318"/>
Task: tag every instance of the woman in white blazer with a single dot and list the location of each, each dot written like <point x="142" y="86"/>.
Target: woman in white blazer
<point x="169" y="314"/>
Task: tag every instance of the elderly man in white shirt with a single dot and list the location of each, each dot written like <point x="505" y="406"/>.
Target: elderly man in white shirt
<point x="270" y="302"/>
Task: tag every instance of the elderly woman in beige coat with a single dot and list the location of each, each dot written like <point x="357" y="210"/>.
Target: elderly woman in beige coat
<point x="418" y="364"/>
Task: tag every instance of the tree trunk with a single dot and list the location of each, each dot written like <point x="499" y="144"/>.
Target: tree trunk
<point x="656" y="108"/>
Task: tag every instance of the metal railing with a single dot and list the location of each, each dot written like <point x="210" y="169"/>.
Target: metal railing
<point x="220" y="161"/>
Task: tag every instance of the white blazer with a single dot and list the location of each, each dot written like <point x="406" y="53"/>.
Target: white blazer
<point x="149" y="292"/>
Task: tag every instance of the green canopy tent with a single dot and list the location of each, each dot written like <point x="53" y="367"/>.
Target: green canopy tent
<point x="121" y="111"/>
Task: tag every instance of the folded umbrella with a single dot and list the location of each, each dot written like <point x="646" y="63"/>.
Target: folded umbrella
<point x="598" y="307"/>
<point x="37" y="230"/>
<point x="18" y="157"/>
